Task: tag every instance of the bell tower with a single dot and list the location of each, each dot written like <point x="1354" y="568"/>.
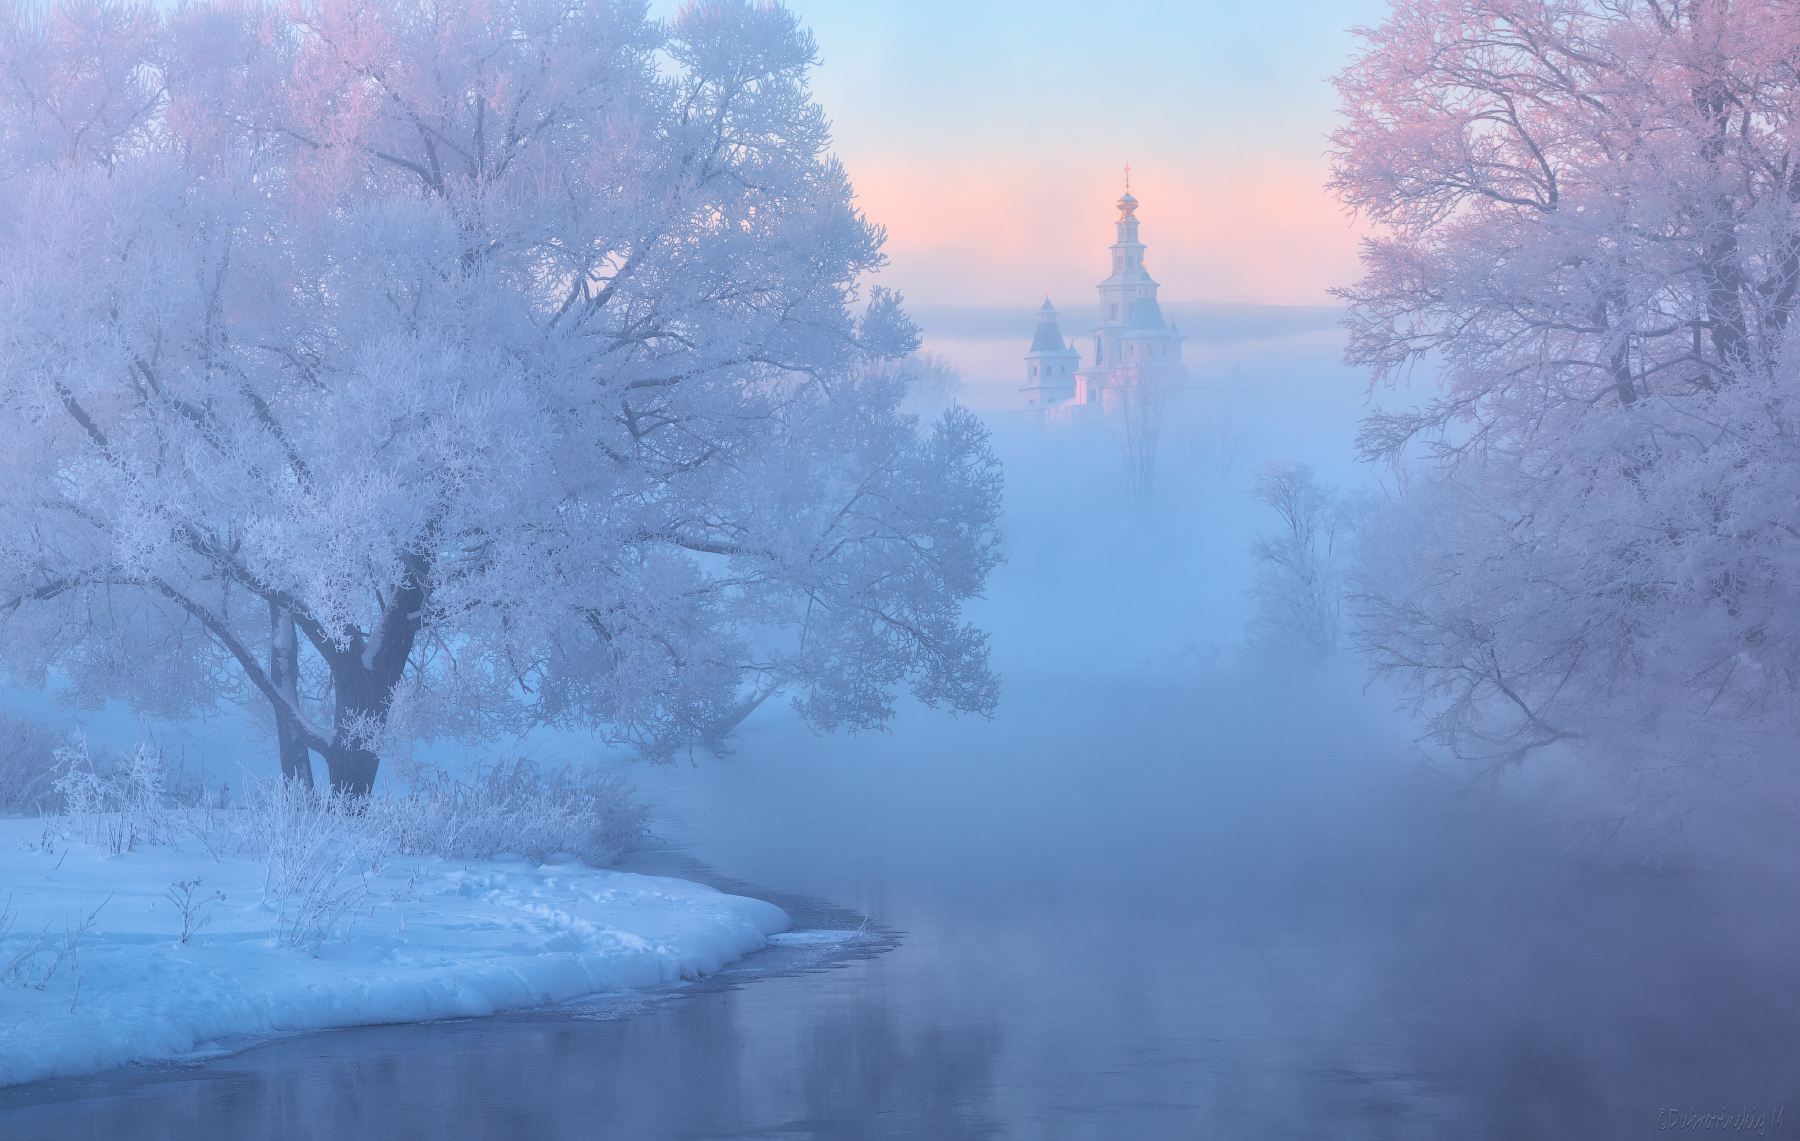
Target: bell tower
<point x="1132" y="346"/>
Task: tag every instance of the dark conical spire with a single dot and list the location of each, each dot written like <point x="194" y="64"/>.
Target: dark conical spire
<point x="1049" y="333"/>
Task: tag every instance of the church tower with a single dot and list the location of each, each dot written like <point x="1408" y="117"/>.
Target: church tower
<point x="1132" y="346"/>
<point x="1050" y="366"/>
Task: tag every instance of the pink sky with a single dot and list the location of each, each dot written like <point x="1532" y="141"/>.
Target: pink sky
<point x="989" y="139"/>
<point x="1006" y="229"/>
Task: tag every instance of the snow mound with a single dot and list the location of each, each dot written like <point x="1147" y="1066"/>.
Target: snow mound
<point x="430" y="939"/>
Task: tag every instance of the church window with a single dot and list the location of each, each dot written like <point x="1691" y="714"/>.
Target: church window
<point x="1115" y="312"/>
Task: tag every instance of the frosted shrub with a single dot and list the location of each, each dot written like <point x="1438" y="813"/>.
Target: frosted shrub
<point x="119" y="806"/>
<point x="21" y="959"/>
<point x="317" y="850"/>
<point x="319" y="845"/>
<point x="28" y="767"/>
<point x="513" y="807"/>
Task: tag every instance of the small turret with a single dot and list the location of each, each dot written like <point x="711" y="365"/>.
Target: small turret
<point x="1051" y="365"/>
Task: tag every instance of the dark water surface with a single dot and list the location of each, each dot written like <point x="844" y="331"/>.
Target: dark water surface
<point x="1122" y="909"/>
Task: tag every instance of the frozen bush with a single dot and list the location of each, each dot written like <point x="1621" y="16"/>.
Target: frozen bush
<point x="514" y="807"/>
<point x="317" y="846"/>
<point x="28" y="767"/>
<point x="134" y="800"/>
<point x="23" y="967"/>
<point x="120" y="805"/>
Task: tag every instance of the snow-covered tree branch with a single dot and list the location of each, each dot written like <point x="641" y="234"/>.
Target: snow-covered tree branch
<point x="462" y="368"/>
<point x="1590" y="232"/>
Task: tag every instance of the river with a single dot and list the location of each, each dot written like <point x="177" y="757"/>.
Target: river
<point x="1124" y="908"/>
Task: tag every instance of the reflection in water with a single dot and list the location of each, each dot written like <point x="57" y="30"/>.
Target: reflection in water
<point x="699" y="1069"/>
<point x="1111" y="922"/>
<point x="869" y="1077"/>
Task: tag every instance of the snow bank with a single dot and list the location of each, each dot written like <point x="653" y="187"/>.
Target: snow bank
<point x="432" y="939"/>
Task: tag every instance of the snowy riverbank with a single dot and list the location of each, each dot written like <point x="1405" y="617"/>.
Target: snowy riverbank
<point x="430" y="939"/>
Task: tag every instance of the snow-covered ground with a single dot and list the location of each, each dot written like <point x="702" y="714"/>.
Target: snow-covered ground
<point x="429" y="939"/>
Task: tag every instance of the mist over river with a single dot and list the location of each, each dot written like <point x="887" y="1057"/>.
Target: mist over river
<point x="1162" y="893"/>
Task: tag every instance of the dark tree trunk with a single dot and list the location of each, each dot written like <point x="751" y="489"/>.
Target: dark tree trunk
<point x="365" y="669"/>
<point x="714" y="735"/>
<point x="284" y="675"/>
<point x="1723" y="270"/>
<point x="361" y="713"/>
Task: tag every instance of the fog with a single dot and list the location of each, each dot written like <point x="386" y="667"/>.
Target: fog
<point x="1164" y="891"/>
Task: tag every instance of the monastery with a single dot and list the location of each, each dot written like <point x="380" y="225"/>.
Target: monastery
<point x="1132" y="346"/>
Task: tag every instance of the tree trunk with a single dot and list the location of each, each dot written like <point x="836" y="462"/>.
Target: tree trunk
<point x="360" y="714"/>
<point x="365" y="669"/>
<point x="714" y="736"/>
<point x="284" y="675"/>
<point x="1135" y="418"/>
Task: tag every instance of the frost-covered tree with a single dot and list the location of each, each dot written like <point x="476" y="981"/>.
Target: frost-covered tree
<point x="933" y="382"/>
<point x="1299" y="584"/>
<point x="1589" y="231"/>
<point x="430" y="369"/>
<point x="1134" y="418"/>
